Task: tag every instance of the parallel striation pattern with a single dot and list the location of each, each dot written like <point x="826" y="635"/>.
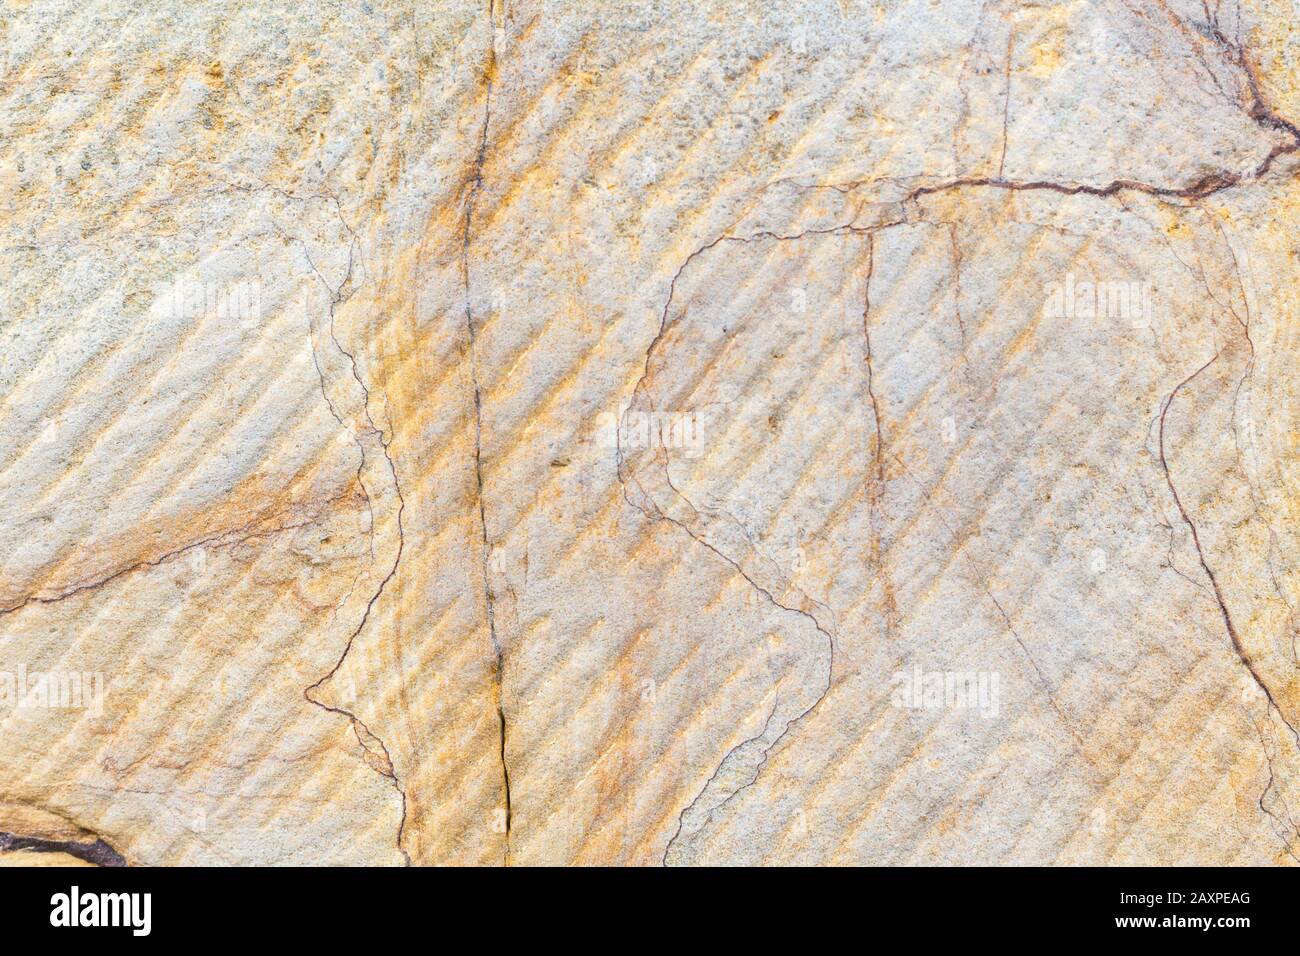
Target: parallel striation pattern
<point x="630" y="395"/>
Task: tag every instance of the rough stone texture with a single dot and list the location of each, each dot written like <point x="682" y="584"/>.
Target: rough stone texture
<point x="373" y="575"/>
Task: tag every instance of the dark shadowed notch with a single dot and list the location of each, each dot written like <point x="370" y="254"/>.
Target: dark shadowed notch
<point x="98" y="852"/>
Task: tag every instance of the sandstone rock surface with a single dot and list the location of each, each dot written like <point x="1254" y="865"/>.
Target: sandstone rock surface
<point x="655" y="432"/>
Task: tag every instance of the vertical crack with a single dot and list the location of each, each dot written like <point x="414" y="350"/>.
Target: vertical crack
<point x="377" y="756"/>
<point x="871" y="377"/>
<point x="1006" y="101"/>
<point x="876" y="482"/>
<point x="645" y="503"/>
<point x="1287" y="824"/>
<point x="1233" y="636"/>
<point x="476" y="186"/>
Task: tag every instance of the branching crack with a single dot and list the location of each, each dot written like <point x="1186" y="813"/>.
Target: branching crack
<point x="647" y="506"/>
<point x="221" y="539"/>
<point x="1233" y="636"/>
<point x="370" y="742"/>
<point x="1283" y="828"/>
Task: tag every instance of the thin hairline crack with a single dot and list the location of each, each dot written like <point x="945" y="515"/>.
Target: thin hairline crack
<point x="367" y="739"/>
<point x="1196" y="190"/>
<point x="1235" y="638"/>
<point x="475" y="187"/>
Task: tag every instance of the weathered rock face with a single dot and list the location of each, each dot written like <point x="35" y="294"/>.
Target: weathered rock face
<point x="654" y="432"/>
